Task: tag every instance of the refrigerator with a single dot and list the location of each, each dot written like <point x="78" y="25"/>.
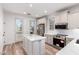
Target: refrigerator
<point x="41" y="29"/>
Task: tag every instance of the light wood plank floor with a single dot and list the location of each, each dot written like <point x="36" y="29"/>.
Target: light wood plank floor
<point x="49" y="50"/>
<point x="17" y="49"/>
<point x="14" y="49"/>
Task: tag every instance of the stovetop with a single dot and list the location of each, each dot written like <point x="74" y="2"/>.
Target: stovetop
<point x="62" y="35"/>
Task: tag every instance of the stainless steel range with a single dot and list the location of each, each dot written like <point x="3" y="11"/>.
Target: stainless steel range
<point x="59" y="40"/>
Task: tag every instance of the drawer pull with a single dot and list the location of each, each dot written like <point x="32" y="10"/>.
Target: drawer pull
<point x="57" y="44"/>
<point x="62" y="41"/>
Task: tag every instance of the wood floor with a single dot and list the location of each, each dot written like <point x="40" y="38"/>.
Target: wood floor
<point x="14" y="49"/>
<point x="49" y="50"/>
<point x="17" y="49"/>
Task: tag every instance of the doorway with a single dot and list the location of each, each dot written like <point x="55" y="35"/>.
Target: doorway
<point x="19" y="29"/>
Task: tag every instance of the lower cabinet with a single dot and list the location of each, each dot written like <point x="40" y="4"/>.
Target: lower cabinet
<point x="68" y="40"/>
<point x="49" y="39"/>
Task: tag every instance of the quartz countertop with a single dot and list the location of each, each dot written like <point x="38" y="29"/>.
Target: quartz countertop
<point x="49" y="33"/>
<point x="71" y="49"/>
<point x="33" y="37"/>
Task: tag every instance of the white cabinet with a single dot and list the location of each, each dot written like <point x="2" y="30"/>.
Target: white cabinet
<point x="57" y="19"/>
<point x="61" y="18"/>
<point x="68" y="39"/>
<point x="49" y="39"/>
<point x="73" y="21"/>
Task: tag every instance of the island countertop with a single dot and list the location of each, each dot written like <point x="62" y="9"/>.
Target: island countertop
<point x="33" y="37"/>
<point x="71" y="49"/>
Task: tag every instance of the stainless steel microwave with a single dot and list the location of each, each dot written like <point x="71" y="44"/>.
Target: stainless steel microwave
<point x="61" y="26"/>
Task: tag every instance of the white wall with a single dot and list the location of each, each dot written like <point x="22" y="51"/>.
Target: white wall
<point x="9" y="26"/>
<point x="1" y="29"/>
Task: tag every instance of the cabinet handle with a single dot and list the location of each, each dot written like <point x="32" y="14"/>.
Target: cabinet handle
<point x="62" y="41"/>
<point x="57" y="44"/>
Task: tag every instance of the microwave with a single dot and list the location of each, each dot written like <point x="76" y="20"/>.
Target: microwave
<point x="61" y="26"/>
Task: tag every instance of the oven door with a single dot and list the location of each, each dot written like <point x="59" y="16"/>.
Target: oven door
<point x="59" y="42"/>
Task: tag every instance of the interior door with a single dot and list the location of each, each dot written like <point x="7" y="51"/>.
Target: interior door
<point x="9" y="29"/>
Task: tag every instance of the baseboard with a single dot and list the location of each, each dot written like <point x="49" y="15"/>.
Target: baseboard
<point x="13" y="43"/>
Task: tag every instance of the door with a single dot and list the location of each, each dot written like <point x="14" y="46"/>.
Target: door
<point x="9" y="29"/>
<point x="19" y="29"/>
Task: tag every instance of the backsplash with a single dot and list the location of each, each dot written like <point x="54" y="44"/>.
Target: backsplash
<point x="63" y="31"/>
<point x="74" y="32"/>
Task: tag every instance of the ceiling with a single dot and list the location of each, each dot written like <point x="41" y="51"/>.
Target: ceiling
<point x="35" y="9"/>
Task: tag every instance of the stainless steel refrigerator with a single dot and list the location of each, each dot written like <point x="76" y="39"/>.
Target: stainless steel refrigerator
<point x="41" y="29"/>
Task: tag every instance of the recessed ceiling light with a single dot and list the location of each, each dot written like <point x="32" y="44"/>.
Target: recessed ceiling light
<point x="24" y="12"/>
<point x="45" y="11"/>
<point x="30" y="5"/>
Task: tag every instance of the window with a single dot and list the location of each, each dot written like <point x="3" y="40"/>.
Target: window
<point x="18" y="25"/>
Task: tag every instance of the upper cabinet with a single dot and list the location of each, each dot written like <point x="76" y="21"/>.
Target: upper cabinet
<point x="73" y="20"/>
<point x="32" y="26"/>
<point x="61" y="18"/>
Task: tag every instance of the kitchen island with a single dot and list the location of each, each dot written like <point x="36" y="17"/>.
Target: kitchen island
<point x="34" y="44"/>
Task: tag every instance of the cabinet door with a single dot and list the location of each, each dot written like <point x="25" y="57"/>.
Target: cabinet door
<point x="36" y="48"/>
<point x="73" y="21"/>
<point x="50" y="40"/>
<point x="46" y="40"/>
<point x="61" y="18"/>
<point x="68" y="40"/>
<point x="57" y="18"/>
